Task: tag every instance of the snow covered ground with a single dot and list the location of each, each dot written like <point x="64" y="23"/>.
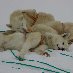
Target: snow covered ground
<point x="58" y="62"/>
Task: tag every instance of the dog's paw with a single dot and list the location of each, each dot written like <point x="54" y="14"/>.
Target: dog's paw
<point x="46" y="54"/>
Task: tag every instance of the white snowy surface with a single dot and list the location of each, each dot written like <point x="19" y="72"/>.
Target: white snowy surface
<point x="63" y="62"/>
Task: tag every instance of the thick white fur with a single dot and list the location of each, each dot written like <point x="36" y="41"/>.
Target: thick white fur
<point x="55" y="41"/>
<point x="62" y="28"/>
<point x="20" y="22"/>
<point x="12" y="41"/>
<point x="19" y="19"/>
<point x="18" y="42"/>
<point x="33" y="39"/>
<point x="52" y="41"/>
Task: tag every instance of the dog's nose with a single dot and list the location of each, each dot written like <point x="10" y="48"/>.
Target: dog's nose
<point x="59" y="48"/>
<point x="63" y="49"/>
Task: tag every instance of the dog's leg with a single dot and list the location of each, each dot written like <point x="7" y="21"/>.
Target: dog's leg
<point x="41" y="49"/>
<point x="32" y="40"/>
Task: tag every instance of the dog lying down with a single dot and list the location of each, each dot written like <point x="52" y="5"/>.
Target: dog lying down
<point x="18" y="41"/>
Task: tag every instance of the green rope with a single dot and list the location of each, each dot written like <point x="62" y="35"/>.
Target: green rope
<point x="45" y="69"/>
<point x="19" y="58"/>
<point x="42" y="72"/>
<point x="49" y="50"/>
<point x="42" y="63"/>
<point x="62" y="54"/>
<point x="66" y="55"/>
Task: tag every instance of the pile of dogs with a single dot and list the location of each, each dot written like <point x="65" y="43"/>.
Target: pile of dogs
<point x="35" y="31"/>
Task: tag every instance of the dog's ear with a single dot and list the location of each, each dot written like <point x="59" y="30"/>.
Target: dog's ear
<point x="65" y="35"/>
<point x="8" y="32"/>
<point x="8" y="25"/>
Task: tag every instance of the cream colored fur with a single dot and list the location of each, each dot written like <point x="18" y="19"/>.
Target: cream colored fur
<point x="43" y="17"/>
<point x="43" y="23"/>
<point x="43" y="28"/>
<point x="18" y="42"/>
<point x="13" y="41"/>
<point x="56" y="42"/>
<point x="19" y="19"/>
<point x="62" y="28"/>
<point x="54" y="39"/>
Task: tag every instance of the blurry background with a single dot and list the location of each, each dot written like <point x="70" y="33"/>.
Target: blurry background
<point x="61" y="9"/>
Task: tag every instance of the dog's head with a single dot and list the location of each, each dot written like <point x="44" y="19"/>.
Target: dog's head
<point x="56" y="41"/>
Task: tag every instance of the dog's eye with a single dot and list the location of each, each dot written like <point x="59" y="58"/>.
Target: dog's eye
<point x="57" y="44"/>
<point x="63" y="43"/>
